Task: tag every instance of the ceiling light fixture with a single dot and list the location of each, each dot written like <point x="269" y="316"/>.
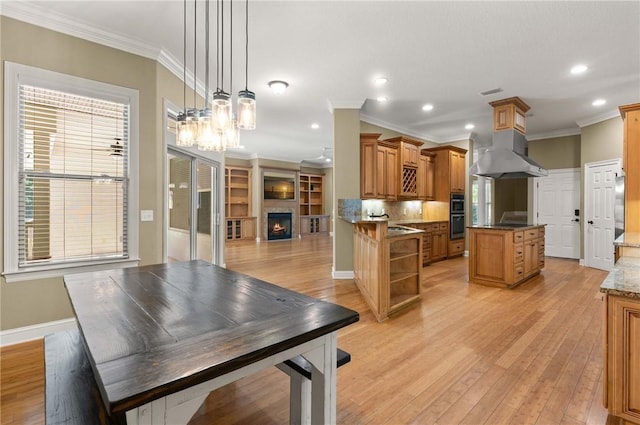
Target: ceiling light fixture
<point x="427" y="107"/>
<point x="579" y="69"/>
<point x="215" y="128"/>
<point x="315" y="126"/>
<point x="278" y="86"/>
<point x="381" y="80"/>
<point x="469" y="126"/>
<point x="598" y="102"/>
<point x="382" y="99"/>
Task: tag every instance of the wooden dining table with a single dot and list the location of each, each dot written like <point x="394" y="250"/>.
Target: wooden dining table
<point x="161" y="337"/>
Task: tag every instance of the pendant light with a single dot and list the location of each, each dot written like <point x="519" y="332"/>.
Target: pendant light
<point x="205" y="120"/>
<point x="187" y="121"/>
<point x="232" y="135"/>
<point x="246" y="98"/>
<point x="221" y="106"/>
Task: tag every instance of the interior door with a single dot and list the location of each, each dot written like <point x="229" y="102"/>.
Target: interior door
<point x="558" y="201"/>
<point x="599" y="226"/>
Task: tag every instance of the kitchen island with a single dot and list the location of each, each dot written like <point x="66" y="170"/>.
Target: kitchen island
<point x="505" y="255"/>
<point x="387" y="264"/>
<point x="621" y="305"/>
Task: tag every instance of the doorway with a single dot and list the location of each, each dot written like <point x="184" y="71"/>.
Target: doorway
<point x="599" y="226"/>
<point x="557" y="202"/>
<point x="192" y="230"/>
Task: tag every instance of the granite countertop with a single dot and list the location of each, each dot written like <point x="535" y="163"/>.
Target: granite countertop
<point x="394" y="231"/>
<point x="506" y="226"/>
<point x="417" y="221"/>
<point x="363" y="219"/>
<point x="630" y="239"/>
<point x="624" y="279"/>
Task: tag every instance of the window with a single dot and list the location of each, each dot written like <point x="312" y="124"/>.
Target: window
<point x="69" y="193"/>
<point x="475" y="201"/>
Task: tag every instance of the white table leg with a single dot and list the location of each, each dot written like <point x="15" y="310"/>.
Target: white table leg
<point x="323" y="381"/>
<point x="158" y="413"/>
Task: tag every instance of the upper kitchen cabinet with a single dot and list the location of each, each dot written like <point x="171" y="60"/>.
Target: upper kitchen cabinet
<point x="630" y="154"/>
<point x="378" y="168"/>
<point x="450" y="171"/>
<point x="426" y="176"/>
<point x="408" y="160"/>
<point x="509" y="113"/>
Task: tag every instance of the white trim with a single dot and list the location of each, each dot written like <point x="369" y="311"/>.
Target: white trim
<point x="30" y="333"/>
<point x="16" y="74"/>
<point x="343" y="274"/>
<point x="599" y="118"/>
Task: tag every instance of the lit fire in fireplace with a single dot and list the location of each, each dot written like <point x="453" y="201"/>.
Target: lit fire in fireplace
<point x="278" y="229"/>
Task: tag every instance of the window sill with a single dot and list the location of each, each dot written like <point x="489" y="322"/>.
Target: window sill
<point x="62" y="269"/>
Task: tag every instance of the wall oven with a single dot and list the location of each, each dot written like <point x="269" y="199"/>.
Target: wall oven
<point x="456" y="222"/>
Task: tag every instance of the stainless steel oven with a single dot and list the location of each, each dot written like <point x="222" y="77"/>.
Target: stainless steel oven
<point x="456" y="226"/>
<point x="457" y="203"/>
<point x="456" y="211"/>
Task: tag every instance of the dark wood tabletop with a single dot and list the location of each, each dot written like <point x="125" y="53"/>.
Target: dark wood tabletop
<point x="154" y="330"/>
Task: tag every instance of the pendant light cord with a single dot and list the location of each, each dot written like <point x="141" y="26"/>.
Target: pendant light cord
<point x="206" y="46"/>
<point x="217" y="45"/>
<point x="230" y="47"/>
<point x="195" y="45"/>
<point x="246" y="44"/>
<point x="184" y="56"/>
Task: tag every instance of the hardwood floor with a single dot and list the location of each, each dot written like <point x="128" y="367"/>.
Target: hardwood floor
<point x="467" y="354"/>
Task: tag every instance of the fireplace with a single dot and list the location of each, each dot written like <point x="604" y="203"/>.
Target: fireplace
<point x="279" y="225"/>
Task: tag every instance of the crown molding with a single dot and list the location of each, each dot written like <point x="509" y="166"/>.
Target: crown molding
<point x="345" y="104"/>
<point x="613" y="113"/>
<point x="36" y="15"/>
<point x="405" y="131"/>
<point x="553" y="134"/>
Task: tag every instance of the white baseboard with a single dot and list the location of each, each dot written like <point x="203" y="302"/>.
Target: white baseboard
<point x="29" y="333"/>
<point x="345" y="274"/>
<point x="581" y="262"/>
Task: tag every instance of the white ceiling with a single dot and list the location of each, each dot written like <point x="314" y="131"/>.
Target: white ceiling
<point x="443" y="53"/>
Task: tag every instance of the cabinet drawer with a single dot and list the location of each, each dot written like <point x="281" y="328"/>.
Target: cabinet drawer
<point x="456" y="247"/>
<point x="518" y="237"/>
<point x="443" y="226"/>
<point x="530" y="234"/>
<point x="518" y="253"/>
<point x="541" y="231"/>
<point x="518" y="272"/>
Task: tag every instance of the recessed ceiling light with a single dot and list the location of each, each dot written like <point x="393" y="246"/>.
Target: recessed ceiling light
<point x="315" y="126"/>
<point x="579" y="69"/>
<point x="427" y="107"/>
<point x="382" y="99"/>
<point x="469" y="126"/>
<point x="278" y="86"/>
<point x="598" y="102"/>
<point x="328" y="160"/>
<point x="382" y="80"/>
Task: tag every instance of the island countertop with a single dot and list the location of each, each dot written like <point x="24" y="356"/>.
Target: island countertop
<point x="505" y="226"/>
<point x="624" y="279"/>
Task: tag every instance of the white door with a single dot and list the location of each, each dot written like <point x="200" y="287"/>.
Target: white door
<point x="558" y="201"/>
<point x="599" y="196"/>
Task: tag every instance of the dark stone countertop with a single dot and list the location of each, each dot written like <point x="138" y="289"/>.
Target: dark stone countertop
<point x="505" y="226"/>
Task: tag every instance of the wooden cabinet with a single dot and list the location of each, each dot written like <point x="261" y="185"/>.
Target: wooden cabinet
<point x="450" y="171"/>
<point x="630" y="155"/>
<point x="240" y="228"/>
<point x="408" y="163"/>
<point x="622" y="357"/>
<point x="456" y="248"/>
<point x="239" y="225"/>
<point x="387" y="173"/>
<point x="314" y="224"/>
<point x="509" y="113"/>
<point x="311" y="194"/>
<point x="426" y="176"/>
<point x="503" y="257"/>
<point x="388" y="270"/>
<point x="434" y="240"/>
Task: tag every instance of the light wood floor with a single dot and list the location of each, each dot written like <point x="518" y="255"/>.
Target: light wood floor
<point x="467" y="354"/>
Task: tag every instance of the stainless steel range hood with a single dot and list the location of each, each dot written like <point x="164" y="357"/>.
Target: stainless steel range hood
<point x="506" y="158"/>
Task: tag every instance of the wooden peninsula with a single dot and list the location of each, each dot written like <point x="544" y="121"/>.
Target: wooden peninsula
<point x="505" y="255"/>
<point x="387" y="264"/>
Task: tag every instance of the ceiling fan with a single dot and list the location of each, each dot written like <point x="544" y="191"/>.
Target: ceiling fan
<point x="324" y="157"/>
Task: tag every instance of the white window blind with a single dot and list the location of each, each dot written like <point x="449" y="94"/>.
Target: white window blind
<point x="72" y="176"/>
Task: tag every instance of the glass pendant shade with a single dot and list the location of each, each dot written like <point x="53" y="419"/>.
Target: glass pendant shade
<point x="205" y="129"/>
<point x="221" y="110"/>
<point x="246" y="110"/>
<point x="232" y="135"/>
<point x="186" y="128"/>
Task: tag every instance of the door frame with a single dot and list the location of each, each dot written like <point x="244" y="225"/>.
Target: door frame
<point x="213" y="159"/>
<point x="536" y="199"/>
<point x="586" y="204"/>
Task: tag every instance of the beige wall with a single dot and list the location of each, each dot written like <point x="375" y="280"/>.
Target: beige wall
<point x="557" y="152"/>
<point x="346" y="181"/>
<point x="44" y="300"/>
